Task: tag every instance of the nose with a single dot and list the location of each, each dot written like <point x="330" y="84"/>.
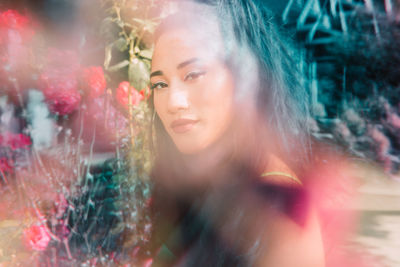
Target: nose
<point x="177" y="99"/>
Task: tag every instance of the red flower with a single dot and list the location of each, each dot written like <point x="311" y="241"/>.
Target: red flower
<point x="93" y="81"/>
<point x="122" y="94"/>
<point x="6" y="165"/>
<point x="16" y="141"/>
<point x="145" y="93"/>
<point x="36" y="237"/>
<point x="59" y="82"/>
<point x="16" y="32"/>
<point x="12" y="19"/>
<point x="63" y="102"/>
<point x="61" y="91"/>
<point x="15" y="27"/>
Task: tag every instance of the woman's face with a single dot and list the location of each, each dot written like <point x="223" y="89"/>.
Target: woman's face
<point x="192" y="88"/>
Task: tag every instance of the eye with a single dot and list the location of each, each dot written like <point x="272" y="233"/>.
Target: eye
<point x="193" y="75"/>
<point x="158" y="85"/>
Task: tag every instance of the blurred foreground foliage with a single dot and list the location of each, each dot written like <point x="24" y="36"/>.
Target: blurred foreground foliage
<point x="62" y="206"/>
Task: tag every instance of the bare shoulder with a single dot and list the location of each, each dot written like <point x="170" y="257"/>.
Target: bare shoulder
<point x="277" y="172"/>
<point x="291" y="229"/>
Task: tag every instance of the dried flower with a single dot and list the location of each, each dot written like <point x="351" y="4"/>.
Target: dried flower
<point x="36" y="237"/>
<point x="93" y="81"/>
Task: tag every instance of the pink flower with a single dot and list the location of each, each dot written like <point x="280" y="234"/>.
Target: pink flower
<point x="16" y="32"/>
<point x="13" y="19"/>
<point x="59" y="82"/>
<point x="14" y="27"/>
<point x="16" y="141"/>
<point x="382" y="141"/>
<point x="394" y="120"/>
<point x="36" y="237"/>
<point x="61" y="91"/>
<point x="6" y="164"/>
<point x="122" y="94"/>
<point x="93" y="81"/>
<point x="63" y="102"/>
<point x="101" y="115"/>
<point x="148" y="262"/>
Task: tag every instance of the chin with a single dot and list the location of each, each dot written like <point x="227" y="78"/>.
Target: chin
<point x="190" y="143"/>
<point x="189" y="149"/>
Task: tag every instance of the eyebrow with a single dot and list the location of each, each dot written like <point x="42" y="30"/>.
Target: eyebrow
<point x="156" y="73"/>
<point x="180" y="65"/>
<point x="187" y="62"/>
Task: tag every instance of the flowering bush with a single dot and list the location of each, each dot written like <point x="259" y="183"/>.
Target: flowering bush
<point x="37" y="237"/>
<point x="15" y="141"/>
<point x="11" y="145"/>
<point x="122" y="95"/>
<point x="63" y="193"/>
<point x="16" y="33"/>
<point x="61" y="91"/>
<point x="6" y="165"/>
<point x="13" y="19"/>
<point x="93" y="81"/>
<point x="15" y="27"/>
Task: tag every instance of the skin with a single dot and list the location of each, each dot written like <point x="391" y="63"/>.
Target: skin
<point x="189" y="81"/>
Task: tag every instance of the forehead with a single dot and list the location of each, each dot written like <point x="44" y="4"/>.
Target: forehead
<point x="178" y="44"/>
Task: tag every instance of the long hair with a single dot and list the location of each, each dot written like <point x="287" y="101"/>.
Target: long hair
<point x="265" y="65"/>
<point x="282" y="95"/>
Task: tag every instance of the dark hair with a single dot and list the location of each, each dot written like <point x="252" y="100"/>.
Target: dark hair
<point x="251" y="38"/>
<point x="282" y="97"/>
<point x="253" y="46"/>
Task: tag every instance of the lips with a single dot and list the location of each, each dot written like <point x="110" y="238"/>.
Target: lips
<point x="182" y="125"/>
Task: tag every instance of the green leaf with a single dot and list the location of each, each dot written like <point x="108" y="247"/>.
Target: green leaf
<point x="108" y="29"/>
<point x="121" y="44"/>
<point x="138" y="74"/>
<point x="120" y="23"/>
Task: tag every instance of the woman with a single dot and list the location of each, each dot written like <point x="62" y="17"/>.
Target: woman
<point x="231" y="141"/>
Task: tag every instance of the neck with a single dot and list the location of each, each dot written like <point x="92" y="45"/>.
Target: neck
<point x="212" y="164"/>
